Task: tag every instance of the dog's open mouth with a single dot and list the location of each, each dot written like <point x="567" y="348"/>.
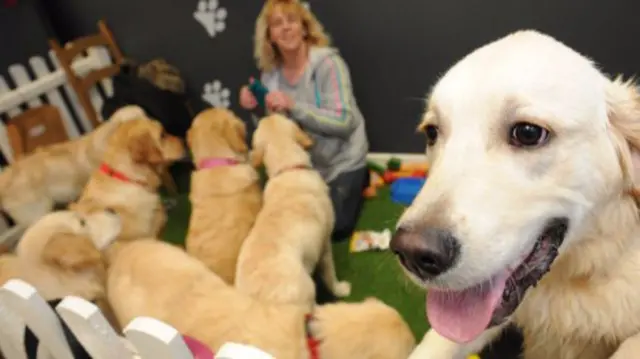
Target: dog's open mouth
<point x="463" y="315"/>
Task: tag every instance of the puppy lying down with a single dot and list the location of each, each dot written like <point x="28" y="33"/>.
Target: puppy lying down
<point x="159" y="280"/>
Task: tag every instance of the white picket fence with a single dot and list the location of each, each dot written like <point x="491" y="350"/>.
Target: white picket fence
<point x="21" y="306"/>
<point x="51" y="83"/>
<point x="144" y="338"/>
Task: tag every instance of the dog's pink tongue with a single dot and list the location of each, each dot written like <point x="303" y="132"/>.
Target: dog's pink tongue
<point x="462" y="316"/>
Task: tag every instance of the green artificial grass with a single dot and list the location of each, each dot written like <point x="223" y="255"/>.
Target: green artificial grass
<point x="377" y="273"/>
<point x="372" y="274"/>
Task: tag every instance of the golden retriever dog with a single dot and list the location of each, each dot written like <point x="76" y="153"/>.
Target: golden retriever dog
<point x="60" y="254"/>
<point x="130" y="175"/>
<point x="292" y="234"/>
<point x="56" y="174"/>
<point x="159" y="280"/>
<point x="530" y="212"/>
<point x="225" y="191"/>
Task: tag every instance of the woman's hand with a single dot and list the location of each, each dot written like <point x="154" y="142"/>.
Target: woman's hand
<point x="247" y="100"/>
<point x="278" y="101"/>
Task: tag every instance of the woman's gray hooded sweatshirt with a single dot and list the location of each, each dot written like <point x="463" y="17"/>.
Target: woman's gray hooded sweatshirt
<point x="325" y="107"/>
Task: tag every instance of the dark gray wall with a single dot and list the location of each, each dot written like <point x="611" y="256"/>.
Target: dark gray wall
<point x="395" y="49"/>
<point x="24" y="31"/>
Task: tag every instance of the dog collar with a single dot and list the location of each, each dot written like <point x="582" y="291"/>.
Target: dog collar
<point x="213" y="162"/>
<point x="313" y="344"/>
<point x="113" y="173"/>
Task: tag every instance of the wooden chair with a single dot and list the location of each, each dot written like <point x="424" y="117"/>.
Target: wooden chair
<point x="82" y="85"/>
<point x="36" y="127"/>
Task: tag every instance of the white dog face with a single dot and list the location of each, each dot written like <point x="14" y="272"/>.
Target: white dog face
<point x="520" y="152"/>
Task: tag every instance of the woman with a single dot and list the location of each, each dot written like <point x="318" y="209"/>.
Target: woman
<point x="310" y="82"/>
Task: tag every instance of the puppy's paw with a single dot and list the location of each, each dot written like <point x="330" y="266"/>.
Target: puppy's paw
<point x="342" y="289"/>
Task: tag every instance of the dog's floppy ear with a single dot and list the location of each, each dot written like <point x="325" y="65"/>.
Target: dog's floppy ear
<point x="303" y="138"/>
<point x="257" y="156"/>
<point x="623" y="107"/>
<point x="236" y="133"/>
<point x="71" y="252"/>
<point x="143" y="149"/>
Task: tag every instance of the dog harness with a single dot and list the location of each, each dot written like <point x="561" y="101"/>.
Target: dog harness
<point x="214" y="162"/>
<point x="312" y="342"/>
<point x="113" y="173"/>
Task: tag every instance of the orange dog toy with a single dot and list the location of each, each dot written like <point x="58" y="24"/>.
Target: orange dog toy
<point x="375" y="182"/>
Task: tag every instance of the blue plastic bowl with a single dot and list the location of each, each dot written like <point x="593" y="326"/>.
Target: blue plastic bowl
<point x="405" y="190"/>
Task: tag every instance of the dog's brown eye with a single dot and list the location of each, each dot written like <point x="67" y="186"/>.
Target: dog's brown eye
<point x="524" y="134"/>
<point x="82" y="222"/>
<point x="431" y="131"/>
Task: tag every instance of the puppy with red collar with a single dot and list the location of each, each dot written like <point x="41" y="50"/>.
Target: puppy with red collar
<point x="130" y="175"/>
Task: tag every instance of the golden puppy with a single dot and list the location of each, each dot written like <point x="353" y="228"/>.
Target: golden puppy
<point x="225" y="191"/>
<point x="56" y="174"/>
<point x="530" y="213"/>
<point x="159" y="280"/>
<point x="59" y="257"/>
<point x="130" y="175"/>
<point x="292" y="233"/>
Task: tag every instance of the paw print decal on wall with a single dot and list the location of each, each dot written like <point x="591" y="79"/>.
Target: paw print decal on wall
<point x="212" y="16"/>
<point x="216" y="94"/>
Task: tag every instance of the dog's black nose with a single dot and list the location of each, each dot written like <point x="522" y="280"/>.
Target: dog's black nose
<point x="426" y="252"/>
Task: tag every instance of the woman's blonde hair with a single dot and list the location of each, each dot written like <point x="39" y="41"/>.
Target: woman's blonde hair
<point x="266" y="54"/>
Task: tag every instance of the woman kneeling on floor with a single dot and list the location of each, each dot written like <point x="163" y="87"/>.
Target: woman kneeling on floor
<point x="309" y="81"/>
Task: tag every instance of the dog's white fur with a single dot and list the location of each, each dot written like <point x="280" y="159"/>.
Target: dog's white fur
<point x="497" y="198"/>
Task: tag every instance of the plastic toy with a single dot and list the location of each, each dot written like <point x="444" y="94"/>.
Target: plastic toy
<point x="259" y="91"/>
<point x="404" y="190"/>
<point x="362" y="241"/>
<point x="395" y="164"/>
<point x="375" y="182"/>
<point x="390" y="176"/>
<point x="376" y="167"/>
